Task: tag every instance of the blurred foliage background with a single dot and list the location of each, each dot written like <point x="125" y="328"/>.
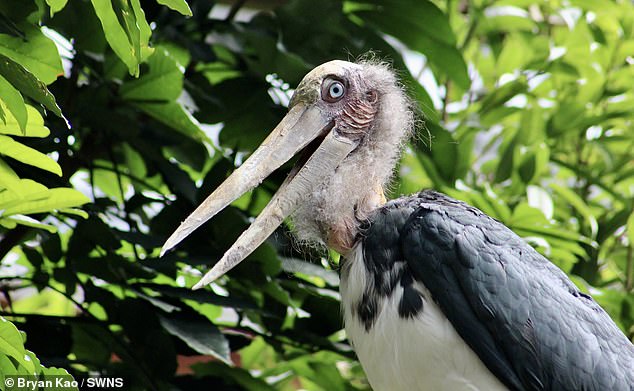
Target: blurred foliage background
<point x="118" y="117"/>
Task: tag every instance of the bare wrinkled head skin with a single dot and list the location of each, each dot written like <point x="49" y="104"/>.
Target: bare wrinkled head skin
<point x="349" y="122"/>
<point x="376" y="111"/>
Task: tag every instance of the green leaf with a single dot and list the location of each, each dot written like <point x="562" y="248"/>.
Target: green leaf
<point x="177" y="5"/>
<point x="56" y="5"/>
<point x="34" y="126"/>
<point x="14" y="103"/>
<point x="128" y="21"/>
<point x="413" y="33"/>
<point x="294" y="265"/>
<point x="200" y="335"/>
<point x="521" y="49"/>
<point x="502" y="94"/>
<point x="176" y="117"/>
<point x="424" y="15"/>
<point x="75" y="212"/>
<point x="579" y="204"/>
<point x="6" y="366"/>
<point x="46" y="201"/>
<point x="28" y="84"/>
<point x="444" y="152"/>
<point x="28" y="155"/>
<point x="421" y="96"/>
<point x="158" y="303"/>
<point x="507" y="18"/>
<point x="18" y="189"/>
<point x="200" y="296"/>
<point x="11" y="344"/>
<point x="164" y="81"/>
<point x="567" y="117"/>
<point x="116" y="35"/>
<point x="431" y="171"/>
<point x="550" y="233"/>
<point x="8" y="178"/>
<point x="35" y="52"/>
<point x="505" y="166"/>
<point x="29" y="222"/>
<point x="145" y="31"/>
<point x="528" y="166"/>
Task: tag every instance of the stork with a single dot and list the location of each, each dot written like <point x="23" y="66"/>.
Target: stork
<point x="436" y="295"/>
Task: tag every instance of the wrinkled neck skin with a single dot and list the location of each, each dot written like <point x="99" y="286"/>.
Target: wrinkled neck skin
<point x="333" y="212"/>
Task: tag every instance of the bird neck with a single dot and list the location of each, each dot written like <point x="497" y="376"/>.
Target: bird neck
<point x="332" y="214"/>
<point x="342" y="235"/>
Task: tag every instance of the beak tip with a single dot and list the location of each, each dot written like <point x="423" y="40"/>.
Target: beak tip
<point x="187" y="227"/>
<point x="211" y="276"/>
<point x="171" y="242"/>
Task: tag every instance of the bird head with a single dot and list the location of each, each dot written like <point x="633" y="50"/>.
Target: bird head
<point x="347" y="122"/>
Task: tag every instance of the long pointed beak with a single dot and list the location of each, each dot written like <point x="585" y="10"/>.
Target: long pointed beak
<point x="298" y="128"/>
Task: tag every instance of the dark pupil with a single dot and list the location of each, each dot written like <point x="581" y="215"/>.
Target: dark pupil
<point x="335" y="90"/>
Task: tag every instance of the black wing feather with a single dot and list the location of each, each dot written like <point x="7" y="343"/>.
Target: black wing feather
<point x="521" y="314"/>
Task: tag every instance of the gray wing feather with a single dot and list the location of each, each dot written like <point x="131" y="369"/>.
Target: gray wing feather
<point x="521" y="314"/>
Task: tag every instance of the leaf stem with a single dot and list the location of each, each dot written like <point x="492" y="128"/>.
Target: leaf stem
<point x="629" y="269"/>
<point x="234" y="10"/>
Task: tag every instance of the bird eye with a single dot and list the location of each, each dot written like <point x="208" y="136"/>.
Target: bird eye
<point x="333" y="91"/>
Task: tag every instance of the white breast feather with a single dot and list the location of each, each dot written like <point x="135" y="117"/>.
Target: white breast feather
<point x="423" y="353"/>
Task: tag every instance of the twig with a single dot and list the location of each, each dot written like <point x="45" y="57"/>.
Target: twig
<point x="234" y="10"/>
<point x="629" y="269"/>
<point x="445" y="101"/>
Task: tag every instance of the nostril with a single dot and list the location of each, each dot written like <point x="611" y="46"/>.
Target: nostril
<point x="372" y="96"/>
